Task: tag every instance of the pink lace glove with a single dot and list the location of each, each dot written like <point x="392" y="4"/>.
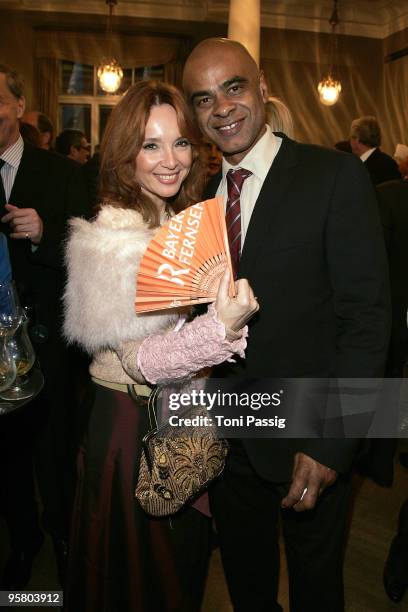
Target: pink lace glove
<point x="201" y="343"/>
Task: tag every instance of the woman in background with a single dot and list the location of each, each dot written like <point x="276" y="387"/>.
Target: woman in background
<point x="278" y="116"/>
<point x="122" y="560"/>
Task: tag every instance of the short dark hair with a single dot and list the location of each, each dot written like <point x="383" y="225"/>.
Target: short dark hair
<point x="67" y="139"/>
<point x="14" y="81"/>
<point x="367" y="130"/>
<point x="30" y="134"/>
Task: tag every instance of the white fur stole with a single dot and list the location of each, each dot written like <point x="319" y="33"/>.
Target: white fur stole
<point x="103" y="257"/>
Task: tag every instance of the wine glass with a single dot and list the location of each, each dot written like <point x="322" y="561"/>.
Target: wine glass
<point x="13" y="328"/>
<point x="9" y="322"/>
<point x="8" y="369"/>
<point x="22" y="352"/>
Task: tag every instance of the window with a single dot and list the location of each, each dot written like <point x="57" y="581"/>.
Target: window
<point x="84" y="106"/>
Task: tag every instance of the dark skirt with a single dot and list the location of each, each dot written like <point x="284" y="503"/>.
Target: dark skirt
<point x="122" y="560"/>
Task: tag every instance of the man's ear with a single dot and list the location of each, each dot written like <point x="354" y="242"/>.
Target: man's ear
<point x="263" y="86"/>
<point x="21" y="104"/>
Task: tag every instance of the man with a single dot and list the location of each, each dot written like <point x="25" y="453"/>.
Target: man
<point x="39" y="191"/>
<point x="43" y="124"/>
<point x="324" y="303"/>
<point x="365" y="140"/>
<point x="74" y="145"/>
<point x="393" y="202"/>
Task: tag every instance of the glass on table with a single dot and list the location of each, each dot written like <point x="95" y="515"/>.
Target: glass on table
<point x="17" y="356"/>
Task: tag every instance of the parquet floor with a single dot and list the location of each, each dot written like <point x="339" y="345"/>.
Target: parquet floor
<point x="372" y="527"/>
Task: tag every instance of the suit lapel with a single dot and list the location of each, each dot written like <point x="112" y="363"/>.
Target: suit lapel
<point x="269" y="203"/>
<point x="23" y="180"/>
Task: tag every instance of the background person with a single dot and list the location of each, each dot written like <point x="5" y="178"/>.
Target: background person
<point x="401" y="157"/>
<point x="43" y="124"/>
<point x="39" y="191"/>
<point x="365" y="141"/>
<point x="74" y="145"/>
<point x="278" y="117"/>
<point x="212" y="157"/>
<point x="393" y="202"/>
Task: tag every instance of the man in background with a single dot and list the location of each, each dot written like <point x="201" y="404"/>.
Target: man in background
<point x="39" y="191"/>
<point x="43" y="124"/>
<point x="74" y="145"/>
<point x="365" y="141"/>
<point x="401" y="157"/>
<point x="393" y="202"/>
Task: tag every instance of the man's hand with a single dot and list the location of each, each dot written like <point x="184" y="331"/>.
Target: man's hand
<point x="235" y="312"/>
<point x="24" y="222"/>
<point x="309" y="479"/>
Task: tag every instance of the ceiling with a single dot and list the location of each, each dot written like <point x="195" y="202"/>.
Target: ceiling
<point x="370" y="18"/>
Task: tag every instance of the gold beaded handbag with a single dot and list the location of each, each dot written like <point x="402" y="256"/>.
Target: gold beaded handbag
<point x="177" y="463"/>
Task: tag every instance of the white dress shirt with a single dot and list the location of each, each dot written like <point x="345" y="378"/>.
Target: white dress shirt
<point x="367" y="154"/>
<point x="12" y="157"/>
<point x="258" y="161"/>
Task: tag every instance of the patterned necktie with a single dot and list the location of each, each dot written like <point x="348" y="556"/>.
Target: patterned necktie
<point x="3" y="200"/>
<point x="235" y="180"/>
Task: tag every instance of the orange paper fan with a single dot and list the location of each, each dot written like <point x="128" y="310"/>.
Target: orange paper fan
<point x="185" y="260"/>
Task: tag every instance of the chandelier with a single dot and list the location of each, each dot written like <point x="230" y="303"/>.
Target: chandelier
<point x="110" y="74"/>
<point x="329" y="88"/>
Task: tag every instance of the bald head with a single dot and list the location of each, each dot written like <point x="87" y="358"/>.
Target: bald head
<point x="227" y="92"/>
<point x="212" y="48"/>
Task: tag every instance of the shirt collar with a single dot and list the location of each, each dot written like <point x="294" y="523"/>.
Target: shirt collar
<point x="367" y="154"/>
<point x="259" y="158"/>
<point x="12" y="155"/>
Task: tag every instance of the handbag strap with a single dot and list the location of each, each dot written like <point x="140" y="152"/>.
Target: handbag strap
<point x="152" y="407"/>
<point x="151" y="403"/>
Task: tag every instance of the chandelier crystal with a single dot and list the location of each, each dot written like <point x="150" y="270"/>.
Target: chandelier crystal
<point x="329" y="88"/>
<point x="329" y="91"/>
<point x="110" y="74"/>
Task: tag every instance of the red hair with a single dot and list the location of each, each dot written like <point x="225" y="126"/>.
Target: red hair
<point x="122" y="141"/>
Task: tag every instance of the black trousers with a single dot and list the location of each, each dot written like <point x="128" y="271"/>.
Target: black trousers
<point x="246" y="510"/>
<point x="398" y="555"/>
<point x="18" y="504"/>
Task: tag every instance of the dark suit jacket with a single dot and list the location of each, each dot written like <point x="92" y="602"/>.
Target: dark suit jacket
<point x="314" y="255"/>
<point x="54" y="187"/>
<point x="381" y="167"/>
<point x="393" y="203"/>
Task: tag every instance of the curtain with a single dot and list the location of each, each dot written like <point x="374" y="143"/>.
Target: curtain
<point x="46" y="88"/>
<point x="131" y="51"/>
<point x="173" y="70"/>
<point x="294" y="63"/>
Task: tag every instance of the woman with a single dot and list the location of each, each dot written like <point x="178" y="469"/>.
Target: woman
<point x="278" y="116"/>
<point x="121" y="559"/>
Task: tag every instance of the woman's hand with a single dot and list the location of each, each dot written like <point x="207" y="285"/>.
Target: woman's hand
<point x="235" y="312"/>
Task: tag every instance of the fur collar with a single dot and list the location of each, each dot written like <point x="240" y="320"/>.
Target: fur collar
<point x="102" y="258"/>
